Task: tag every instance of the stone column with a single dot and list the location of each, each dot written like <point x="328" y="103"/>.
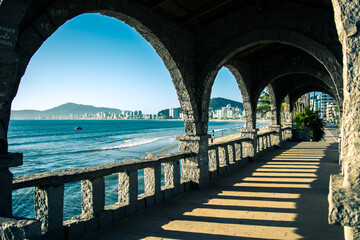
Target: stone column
<point x="6" y="161"/>
<point x="195" y="169"/>
<point x="93" y="195"/>
<point x="344" y="194"/>
<point x="49" y="206"/>
<point x="250" y="149"/>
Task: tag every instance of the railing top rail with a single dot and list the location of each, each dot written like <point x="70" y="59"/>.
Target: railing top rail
<point x="222" y="144"/>
<point x="77" y="174"/>
<point x="265" y="132"/>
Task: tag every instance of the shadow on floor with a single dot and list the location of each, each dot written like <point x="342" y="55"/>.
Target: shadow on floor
<point x="284" y="196"/>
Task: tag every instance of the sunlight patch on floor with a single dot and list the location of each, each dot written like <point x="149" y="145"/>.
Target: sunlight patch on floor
<point x="287" y="166"/>
<point x="292" y="163"/>
<point x="234" y="230"/>
<point x="259" y="194"/>
<point x="284" y="170"/>
<point x="272" y="185"/>
<point x="251" y="203"/>
<point x="279" y="174"/>
<point x="237" y="214"/>
<point x="292" y="180"/>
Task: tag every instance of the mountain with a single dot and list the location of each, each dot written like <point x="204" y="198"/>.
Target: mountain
<point x="218" y="103"/>
<point x="62" y="110"/>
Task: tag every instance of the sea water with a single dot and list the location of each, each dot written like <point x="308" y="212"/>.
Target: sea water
<point x="50" y="145"/>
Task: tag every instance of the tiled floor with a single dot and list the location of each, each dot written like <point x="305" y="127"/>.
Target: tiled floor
<point x="283" y="196"/>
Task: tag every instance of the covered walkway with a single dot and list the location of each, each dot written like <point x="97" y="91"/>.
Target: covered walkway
<point x="282" y="196"/>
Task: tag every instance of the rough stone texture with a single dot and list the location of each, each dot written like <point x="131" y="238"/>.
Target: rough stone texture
<point x="213" y="159"/>
<point x="238" y="151"/>
<point x="49" y="205"/>
<point x="172" y="174"/>
<point x="249" y="148"/>
<point x="128" y="187"/>
<point x="152" y="180"/>
<point x="14" y="228"/>
<point x="195" y="169"/>
<point x="276" y="135"/>
<point x="93" y="196"/>
<point x="347" y="19"/>
<point x="344" y="204"/>
<point x="231" y="153"/>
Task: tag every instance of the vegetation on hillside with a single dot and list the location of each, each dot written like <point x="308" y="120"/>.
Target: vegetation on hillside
<point x="218" y="103"/>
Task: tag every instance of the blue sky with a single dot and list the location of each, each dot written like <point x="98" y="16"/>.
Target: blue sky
<point x="98" y="60"/>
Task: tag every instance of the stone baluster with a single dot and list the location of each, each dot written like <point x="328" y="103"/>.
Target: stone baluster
<point x="238" y="151"/>
<point x="49" y="205"/>
<point x="212" y="159"/>
<point x="231" y="153"/>
<point x="93" y="195"/>
<point x="276" y="136"/>
<point x="152" y="182"/>
<point x="250" y="148"/>
<point x="196" y="168"/>
<point x="128" y="190"/>
<point x="172" y="175"/>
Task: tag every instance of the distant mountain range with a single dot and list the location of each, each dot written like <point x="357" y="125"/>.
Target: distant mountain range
<point x="62" y="110"/>
<point x="80" y="109"/>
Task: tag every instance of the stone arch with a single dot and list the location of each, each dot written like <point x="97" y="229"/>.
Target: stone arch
<point x="275" y="111"/>
<point x="148" y="25"/>
<point x="300" y="69"/>
<point x="262" y="36"/>
<point x="296" y="93"/>
<point x="242" y="73"/>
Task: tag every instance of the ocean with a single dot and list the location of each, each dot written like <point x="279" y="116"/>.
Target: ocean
<point x="50" y="145"/>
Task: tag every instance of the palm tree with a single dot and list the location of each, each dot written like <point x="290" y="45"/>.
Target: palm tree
<point x="309" y="119"/>
<point x="264" y="106"/>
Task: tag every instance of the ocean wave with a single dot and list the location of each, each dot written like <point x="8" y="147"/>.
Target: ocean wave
<point x="135" y="142"/>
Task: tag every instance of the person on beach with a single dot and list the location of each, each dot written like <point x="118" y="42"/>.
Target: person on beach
<point x="213" y="132"/>
<point x="222" y="133"/>
<point x="212" y="140"/>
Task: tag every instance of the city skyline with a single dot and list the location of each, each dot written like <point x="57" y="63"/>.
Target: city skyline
<point x="101" y="61"/>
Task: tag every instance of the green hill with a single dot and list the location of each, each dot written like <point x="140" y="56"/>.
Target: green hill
<point x="218" y="103"/>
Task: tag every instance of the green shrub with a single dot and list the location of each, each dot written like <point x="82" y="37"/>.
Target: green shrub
<point x="310" y="120"/>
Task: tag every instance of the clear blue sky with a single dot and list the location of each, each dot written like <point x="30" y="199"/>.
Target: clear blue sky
<point x="98" y="60"/>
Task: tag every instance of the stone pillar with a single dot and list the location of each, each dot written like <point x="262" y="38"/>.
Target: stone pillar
<point x="93" y="196"/>
<point x="6" y="161"/>
<point x="344" y="194"/>
<point x="250" y="148"/>
<point x="276" y="137"/>
<point x="49" y="207"/>
<point x="152" y="182"/>
<point x="195" y="169"/>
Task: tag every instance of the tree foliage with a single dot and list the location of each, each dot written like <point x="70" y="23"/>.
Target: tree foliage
<point x="309" y="119"/>
<point x="263" y="106"/>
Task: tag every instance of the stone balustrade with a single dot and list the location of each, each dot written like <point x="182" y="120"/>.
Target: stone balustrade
<point x="49" y="187"/>
<point x="49" y="193"/>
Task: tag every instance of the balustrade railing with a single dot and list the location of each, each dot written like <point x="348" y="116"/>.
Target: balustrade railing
<point x="49" y="187"/>
<point x="49" y="192"/>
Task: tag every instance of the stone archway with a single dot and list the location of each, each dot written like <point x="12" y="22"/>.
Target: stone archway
<point x="242" y="74"/>
<point x="262" y="36"/>
<point x="301" y="69"/>
<point x="146" y="24"/>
